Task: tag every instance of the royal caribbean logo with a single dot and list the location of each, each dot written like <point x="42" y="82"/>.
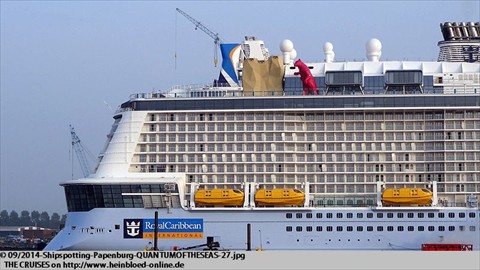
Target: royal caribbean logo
<point x="167" y="228"/>
<point x="133" y="228"/>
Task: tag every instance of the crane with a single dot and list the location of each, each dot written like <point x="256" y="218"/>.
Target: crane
<point x="80" y="152"/>
<point x="198" y="25"/>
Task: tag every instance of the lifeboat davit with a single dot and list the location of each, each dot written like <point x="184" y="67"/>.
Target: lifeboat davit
<point x="219" y="197"/>
<point x="406" y="196"/>
<point x="279" y="197"/>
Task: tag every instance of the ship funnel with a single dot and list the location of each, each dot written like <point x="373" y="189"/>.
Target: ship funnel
<point x="230" y="58"/>
<point x="473" y="30"/>
<point x="328" y="50"/>
<point x="447" y="31"/>
<point x="374" y="50"/>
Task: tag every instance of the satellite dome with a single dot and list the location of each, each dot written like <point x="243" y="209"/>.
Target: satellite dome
<point x="327" y="47"/>
<point x="286" y="45"/>
<point x="374" y="49"/>
<point x="374" y="45"/>
<point x="328" y="50"/>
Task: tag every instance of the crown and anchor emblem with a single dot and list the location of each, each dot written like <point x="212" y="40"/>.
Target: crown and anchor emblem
<point x="132" y="228"/>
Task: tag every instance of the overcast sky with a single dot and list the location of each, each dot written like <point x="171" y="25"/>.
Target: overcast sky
<point x="74" y="62"/>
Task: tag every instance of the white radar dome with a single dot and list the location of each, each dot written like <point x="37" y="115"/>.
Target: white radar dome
<point x="374" y="49"/>
<point x="328" y="50"/>
<point x="328" y="47"/>
<point x="286" y="45"/>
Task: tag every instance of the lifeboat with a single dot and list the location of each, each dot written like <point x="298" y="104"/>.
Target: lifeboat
<point x="406" y="196"/>
<point x="279" y="197"/>
<point x="219" y="197"/>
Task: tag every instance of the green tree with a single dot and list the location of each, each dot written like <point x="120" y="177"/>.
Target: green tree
<point x="4" y="218"/>
<point x="44" y="220"/>
<point x="14" y="219"/>
<point x="63" y="220"/>
<point x="35" y="216"/>
<point x="25" y="218"/>
<point x="54" y="221"/>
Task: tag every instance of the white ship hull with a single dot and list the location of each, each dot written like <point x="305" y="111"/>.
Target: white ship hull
<point x="95" y="230"/>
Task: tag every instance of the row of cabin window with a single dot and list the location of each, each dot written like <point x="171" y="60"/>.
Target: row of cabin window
<point x="379" y="228"/>
<point x="381" y="215"/>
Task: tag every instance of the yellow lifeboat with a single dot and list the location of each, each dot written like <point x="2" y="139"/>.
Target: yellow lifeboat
<point x="279" y="197"/>
<point x="219" y="197"/>
<point x="405" y="196"/>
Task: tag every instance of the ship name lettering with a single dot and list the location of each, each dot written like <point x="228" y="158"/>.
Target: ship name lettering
<point x="168" y="225"/>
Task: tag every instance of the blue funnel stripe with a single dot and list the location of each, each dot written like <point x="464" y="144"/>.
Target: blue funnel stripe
<point x="228" y="75"/>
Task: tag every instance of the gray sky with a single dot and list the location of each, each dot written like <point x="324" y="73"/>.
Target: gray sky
<point x="67" y="62"/>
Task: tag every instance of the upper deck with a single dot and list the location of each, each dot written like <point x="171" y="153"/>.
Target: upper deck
<point x="350" y="84"/>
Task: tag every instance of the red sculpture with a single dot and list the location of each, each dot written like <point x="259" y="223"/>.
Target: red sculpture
<point x="308" y="81"/>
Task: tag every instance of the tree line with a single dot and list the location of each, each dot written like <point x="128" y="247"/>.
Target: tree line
<point x="35" y="218"/>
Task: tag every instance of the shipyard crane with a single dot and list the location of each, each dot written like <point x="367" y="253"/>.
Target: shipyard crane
<point x="198" y="25"/>
<point x="80" y="150"/>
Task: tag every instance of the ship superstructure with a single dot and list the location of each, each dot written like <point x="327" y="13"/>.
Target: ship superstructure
<point x="372" y="125"/>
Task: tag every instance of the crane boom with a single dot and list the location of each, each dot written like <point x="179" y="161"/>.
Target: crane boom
<point x="198" y="25"/>
<point x="80" y="152"/>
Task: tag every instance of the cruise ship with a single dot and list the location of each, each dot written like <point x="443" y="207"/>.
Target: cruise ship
<point x="278" y="154"/>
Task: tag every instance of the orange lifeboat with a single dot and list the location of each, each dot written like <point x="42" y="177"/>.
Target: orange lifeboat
<point x="219" y="197"/>
<point x="279" y="197"/>
<point x="406" y="196"/>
